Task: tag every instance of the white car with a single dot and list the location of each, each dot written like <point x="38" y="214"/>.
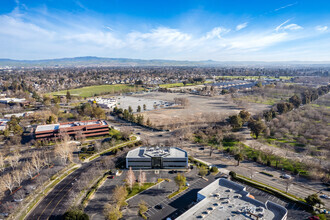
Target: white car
<point x="286" y="176"/>
<point x="324" y="196"/>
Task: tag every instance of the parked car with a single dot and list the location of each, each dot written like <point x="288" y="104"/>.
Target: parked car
<point x="325" y="196"/>
<point x="18" y="200"/>
<point x="187" y="184"/>
<point x="160" y="206"/>
<point x="111" y="177"/>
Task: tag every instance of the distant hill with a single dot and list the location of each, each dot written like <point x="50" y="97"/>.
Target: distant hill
<point x="101" y="61"/>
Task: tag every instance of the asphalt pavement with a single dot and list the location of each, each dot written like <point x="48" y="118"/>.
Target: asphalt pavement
<point x="54" y="205"/>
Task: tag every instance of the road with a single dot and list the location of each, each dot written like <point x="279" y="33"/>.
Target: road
<point x="54" y="205"/>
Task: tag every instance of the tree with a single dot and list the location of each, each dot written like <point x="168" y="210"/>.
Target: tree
<point x="236" y="121"/>
<point x="130" y="110"/>
<point x="63" y="149"/>
<point x="68" y="96"/>
<point x="36" y="162"/>
<point x="245" y="115"/>
<point x="239" y="157"/>
<point x="202" y="171"/>
<point x="142" y="178"/>
<point x="8" y="182"/>
<point x="142" y="207"/>
<point x="256" y="127"/>
<point x="295" y="100"/>
<point x="2" y="163"/>
<point x="120" y="193"/>
<point x="144" y="107"/>
<point x="138" y="109"/>
<point x="130" y="178"/>
<point x="180" y="180"/>
<point x="113" y="212"/>
<point x="75" y="214"/>
<point x="28" y="169"/>
<point x="313" y="200"/>
<point x="18" y="177"/>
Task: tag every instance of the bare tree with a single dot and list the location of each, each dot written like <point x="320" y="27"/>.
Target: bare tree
<point x="36" y="162"/>
<point x="288" y="183"/>
<point x="130" y="178"/>
<point x="142" y="178"/>
<point x="8" y="182"/>
<point x="2" y="163"/>
<point x="28" y="169"/>
<point x="18" y="177"/>
<point x="63" y="150"/>
<point x="16" y="157"/>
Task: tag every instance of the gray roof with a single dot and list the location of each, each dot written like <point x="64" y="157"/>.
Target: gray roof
<point x="166" y="152"/>
<point x="224" y="199"/>
<point x="50" y="127"/>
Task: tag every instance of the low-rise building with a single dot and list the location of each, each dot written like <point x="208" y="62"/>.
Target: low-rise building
<point x="157" y="158"/>
<point x="105" y="103"/>
<point x="3" y="124"/>
<point x="86" y="128"/>
<point x="224" y="199"/>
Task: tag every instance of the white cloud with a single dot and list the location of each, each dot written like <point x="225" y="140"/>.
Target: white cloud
<point x="285" y="6"/>
<point x="216" y="33"/>
<point x="279" y="27"/>
<point x="292" y="27"/>
<point x="288" y="27"/>
<point x="241" y="26"/>
<point x="321" y="28"/>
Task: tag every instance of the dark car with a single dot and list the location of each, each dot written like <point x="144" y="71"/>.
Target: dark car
<point x="111" y="177"/>
<point x="160" y="206"/>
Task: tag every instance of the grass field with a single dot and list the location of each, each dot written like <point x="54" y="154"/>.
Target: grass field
<point x="91" y="91"/>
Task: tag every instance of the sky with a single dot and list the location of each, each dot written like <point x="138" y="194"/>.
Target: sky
<point x="220" y="30"/>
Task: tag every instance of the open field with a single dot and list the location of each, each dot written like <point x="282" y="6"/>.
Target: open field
<point x="200" y="109"/>
<point x="91" y="91"/>
<point x="267" y="96"/>
<point x="173" y="85"/>
<point x="256" y="77"/>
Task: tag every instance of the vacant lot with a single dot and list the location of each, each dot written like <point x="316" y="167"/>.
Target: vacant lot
<point x="91" y="91"/>
<point x="201" y="109"/>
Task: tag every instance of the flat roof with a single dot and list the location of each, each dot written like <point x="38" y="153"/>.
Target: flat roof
<point x="166" y="152"/>
<point x="68" y="125"/>
<point x="224" y="199"/>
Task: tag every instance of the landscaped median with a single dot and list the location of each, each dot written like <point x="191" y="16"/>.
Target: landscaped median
<point x="134" y="139"/>
<point x="177" y="192"/>
<point x="43" y="191"/>
<point x="92" y="190"/>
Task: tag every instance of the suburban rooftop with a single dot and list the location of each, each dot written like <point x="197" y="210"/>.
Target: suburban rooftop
<point x="168" y="152"/>
<point x="68" y="125"/>
<point x="224" y="199"/>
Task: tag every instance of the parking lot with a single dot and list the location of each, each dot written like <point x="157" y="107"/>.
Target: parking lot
<point x="294" y="210"/>
<point x="125" y="101"/>
<point x="173" y="207"/>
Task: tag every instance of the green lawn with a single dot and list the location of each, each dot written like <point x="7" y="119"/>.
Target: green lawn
<point x="91" y="91"/>
<point x="136" y="189"/>
<point x="173" y="85"/>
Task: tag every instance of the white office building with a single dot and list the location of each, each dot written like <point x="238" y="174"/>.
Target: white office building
<point x="157" y="158"/>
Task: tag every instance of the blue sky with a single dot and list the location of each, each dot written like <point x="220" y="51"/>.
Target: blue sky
<point x="222" y="30"/>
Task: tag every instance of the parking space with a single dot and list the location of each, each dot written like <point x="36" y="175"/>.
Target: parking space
<point x="294" y="210"/>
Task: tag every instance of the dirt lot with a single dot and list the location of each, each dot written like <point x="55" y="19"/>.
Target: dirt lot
<point x="201" y="109"/>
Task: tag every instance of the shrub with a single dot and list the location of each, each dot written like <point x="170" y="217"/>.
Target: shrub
<point x="232" y="174"/>
<point x="214" y="170"/>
